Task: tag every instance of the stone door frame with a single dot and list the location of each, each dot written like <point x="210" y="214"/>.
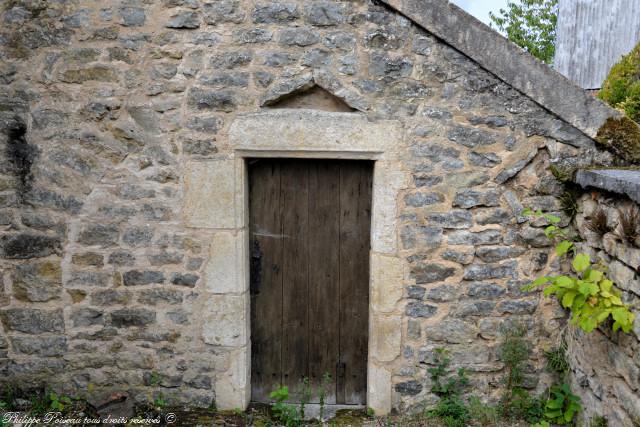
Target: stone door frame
<point x="216" y="201"/>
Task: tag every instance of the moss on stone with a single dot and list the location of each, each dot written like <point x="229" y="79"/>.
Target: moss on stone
<point x="98" y="73"/>
<point x="77" y="295"/>
<point x="50" y="270"/>
<point x="621" y="89"/>
<point x="622" y="137"/>
<point x="348" y="418"/>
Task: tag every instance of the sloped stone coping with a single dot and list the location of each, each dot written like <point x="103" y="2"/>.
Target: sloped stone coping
<point x="508" y="62"/>
<point x="619" y="181"/>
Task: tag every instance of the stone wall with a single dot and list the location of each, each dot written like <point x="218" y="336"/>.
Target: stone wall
<point x="605" y="366"/>
<point x="107" y="283"/>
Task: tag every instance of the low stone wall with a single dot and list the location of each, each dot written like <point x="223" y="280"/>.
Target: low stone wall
<point x="605" y="366"/>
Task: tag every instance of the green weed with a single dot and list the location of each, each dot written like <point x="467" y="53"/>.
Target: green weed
<point x="598" y="421"/>
<point x="306" y="395"/>
<point x="516" y="403"/>
<point x="557" y="360"/>
<point x="482" y="414"/>
<point x="285" y="413"/>
<point x="160" y="401"/>
<point x="451" y="409"/>
<point x="563" y="406"/>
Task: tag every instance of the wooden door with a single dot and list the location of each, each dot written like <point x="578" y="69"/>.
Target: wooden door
<point x="310" y="240"/>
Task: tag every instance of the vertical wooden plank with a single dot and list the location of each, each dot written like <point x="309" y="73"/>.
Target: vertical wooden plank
<point x="310" y="227"/>
<point x="294" y="193"/>
<point x="355" y="225"/>
<point x="265" y="278"/>
<point x="324" y="274"/>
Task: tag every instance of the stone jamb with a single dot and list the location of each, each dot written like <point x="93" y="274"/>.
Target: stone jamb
<point x="296" y="134"/>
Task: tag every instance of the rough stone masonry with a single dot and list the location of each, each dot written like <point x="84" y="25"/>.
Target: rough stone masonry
<point x="109" y="109"/>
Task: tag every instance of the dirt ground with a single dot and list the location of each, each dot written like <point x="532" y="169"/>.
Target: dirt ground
<point x="258" y="418"/>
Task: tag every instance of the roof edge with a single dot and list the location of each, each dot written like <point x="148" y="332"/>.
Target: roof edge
<point x="508" y="62"/>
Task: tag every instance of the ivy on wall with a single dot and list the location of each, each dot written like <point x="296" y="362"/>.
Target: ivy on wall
<point x="586" y="291"/>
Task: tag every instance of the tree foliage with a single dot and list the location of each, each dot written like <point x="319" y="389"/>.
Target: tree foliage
<point x="531" y="24"/>
<point x="621" y="89"/>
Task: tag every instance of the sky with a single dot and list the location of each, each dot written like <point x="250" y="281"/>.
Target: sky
<point x="481" y="8"/>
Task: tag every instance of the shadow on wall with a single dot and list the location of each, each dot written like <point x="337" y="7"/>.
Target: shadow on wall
<point x="21" y="155"/>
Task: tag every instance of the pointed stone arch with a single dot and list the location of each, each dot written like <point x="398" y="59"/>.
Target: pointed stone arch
<point x="313" y="98"/>
<point x="319" y="90"/>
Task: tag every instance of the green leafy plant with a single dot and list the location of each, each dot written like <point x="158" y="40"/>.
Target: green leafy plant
<point x="39" y="404"/>
<point x="621" y="89"/>
<point x="3" y="423"/>
<point x="563" y="406"/>
<point x="451" y="409"/>
<point x="155" y="378"/>
<point x="588" y="293"/>
<point x="481" y="413"/>
<point x="3" y="407"/>
<point x="285" y="413"/>
<point x="47" y="401"/>
<point x="514" y="351"/>
<point x="9" y="396"/>
<point x="160" y="401"/>
<point x="58" y="403"/>
<point x="524" y="406"/>
<point x="598" y="421"/>
<point x="444" y="385"/>
<point x="516" y="403"/>
<point x="531" y="24"/>
<point x="541" y="424"/>
<point x="305" y="395"/>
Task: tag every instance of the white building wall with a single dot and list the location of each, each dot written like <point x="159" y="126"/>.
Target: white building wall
<point x="592" y="35"/>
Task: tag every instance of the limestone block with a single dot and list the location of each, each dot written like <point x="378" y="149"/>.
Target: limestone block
<point x="625" y="366"/>
<point x="619" y="181"/>
<point x="379" y="390"/>
<point x="517" y="162"/>
<point x="627" y="399"/>
<point x="311" y="130"/>
<point x="210" y="194"/>
<point x="388" y="180"/>
<point x="386" y="282"/>
<point x="624" y="277"/>
<point x="385" y="337"/>
<point x="232" y="386"/>
<point x="625" y="253"/>
<point x="225" y="271"/>
<point x="453" y="331"/>
<point x="225" y="320"/>
<point x="242" y="193"/>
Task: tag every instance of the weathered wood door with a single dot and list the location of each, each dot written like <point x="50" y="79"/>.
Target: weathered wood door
<point x="310" y="225"/>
